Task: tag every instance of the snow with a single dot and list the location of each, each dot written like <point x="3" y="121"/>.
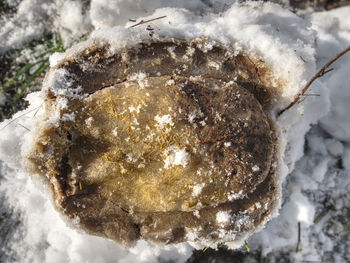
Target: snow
<point x="255" y="168"/>
<point x="164" y="120"/>
<point x="197" y="189"/>
<point x="223" y="217"/>
<point x="346" y="158"/>
<point x="266" y="31"/>
<point x="175" y="156"/>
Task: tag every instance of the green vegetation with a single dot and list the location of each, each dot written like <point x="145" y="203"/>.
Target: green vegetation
<point x="222" y="246"/>
<point x="4" y="7"/>
<point x="246" y="246"/>
<point x="23" y="70"/>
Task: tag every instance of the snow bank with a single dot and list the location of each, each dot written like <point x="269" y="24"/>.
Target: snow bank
<point x="317" y="175"/>
<point x="334" y="36"/>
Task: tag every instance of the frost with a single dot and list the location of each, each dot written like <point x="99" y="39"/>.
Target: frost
<point x="255" y="168"/>
<point x="197" y="189"/>
<point x="115" y="132"/>
<point x="164" y="120"/>
<point x="68" y="117"/>
<point x="136" y="110"/>
<point x="227" y="144"/>
<point x="175" y="156"/>
<point x="223" y="217"/>
<point x="89" y="121"/>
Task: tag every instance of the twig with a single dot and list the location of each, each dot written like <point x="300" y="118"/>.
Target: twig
<point x="311" y="95"/>
<point x="37" y="110"/>
<point x="324" y="70"/>
<point x="320" y="216"/>
<point x="297" y="249"/>
<point x="338" y="4"/>
<point x="147" y="21"/>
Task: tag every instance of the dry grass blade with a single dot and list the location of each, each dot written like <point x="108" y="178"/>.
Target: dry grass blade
<point x="23" y="126"/>
<point x="147" y="21"/>
<point x="319" y="74"/>
<point x="20" y="117"/>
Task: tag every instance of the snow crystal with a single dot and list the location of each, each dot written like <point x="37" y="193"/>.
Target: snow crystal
<point x="115" y="131"/>
<point x="89" y="121"/>
<point x="227" y="144"/>
<point x="170" y="82"/>
<point x="223" y="217"/>
<point x="68" y="117"/>
<point x="196" y="213"/>
<point x="234" y="196"/>
<point x="176" y="156"/>
<point x="255" y="168"/>
<point x="197" y="189"/>
<point x="164" y="120"/>
<point x="55" y="58"/>
<point x="137" y="109"/>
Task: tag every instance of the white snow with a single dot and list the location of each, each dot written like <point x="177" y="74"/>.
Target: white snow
<point x="68" y="117"/>
<point x="266" y="31"/>
<point x="334" y="36"/>
<point x="227" y="144"/>
<point x="89" y="121"/>
<point x="175" y="156"/>
<point x="164" y="120"/>
<point x="197" y="189"/>
<point x="223" y="217"/>
<point x="255" y="168"/>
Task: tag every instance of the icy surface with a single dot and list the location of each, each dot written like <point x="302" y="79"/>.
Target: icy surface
<point x="269" y="32"/>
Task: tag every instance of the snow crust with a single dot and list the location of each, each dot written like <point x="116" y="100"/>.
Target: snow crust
<point x="334" y="36"/>
<point x="266" y="31"/>
<point x="275" y="41"/>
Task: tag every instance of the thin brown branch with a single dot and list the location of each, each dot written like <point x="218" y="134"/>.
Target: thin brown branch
<point x="147" y="21"/>
<point x="319" y="74"/>
<point x="328" y="70"/>
<point x="337" y="4"/>
<point x="311" y="95"/>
